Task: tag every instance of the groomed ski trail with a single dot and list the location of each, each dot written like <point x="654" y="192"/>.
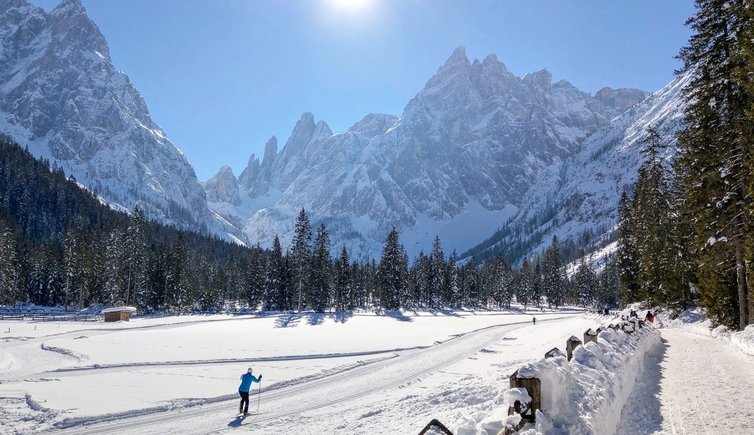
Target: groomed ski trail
<point x="692" y="384"/>
<point x="339" y="388"/>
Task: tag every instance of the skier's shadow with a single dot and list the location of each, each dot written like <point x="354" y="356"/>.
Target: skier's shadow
<point x="238" y="421"/>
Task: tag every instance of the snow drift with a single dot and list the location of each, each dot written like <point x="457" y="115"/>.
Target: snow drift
<point x="585" y="395"/>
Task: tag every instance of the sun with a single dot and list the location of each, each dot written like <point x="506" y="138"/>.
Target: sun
<point x="351" y="6"/>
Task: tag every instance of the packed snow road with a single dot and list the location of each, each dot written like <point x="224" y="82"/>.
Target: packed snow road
<point x="361" y="383"/>
<point x="693" y="384"/>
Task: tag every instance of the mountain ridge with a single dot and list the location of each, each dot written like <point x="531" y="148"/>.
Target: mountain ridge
<point x="61" y="96"/>
<point x="474" y="138"/>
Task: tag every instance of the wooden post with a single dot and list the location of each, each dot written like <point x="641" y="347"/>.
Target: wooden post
<point x="572" y="344"/>
<point x="552" y="353"/>
<point x="590" y="335"/>
<point x="533" y="386"/>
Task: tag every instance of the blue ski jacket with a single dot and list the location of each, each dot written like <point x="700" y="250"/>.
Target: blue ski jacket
<point x="246" y="381"/>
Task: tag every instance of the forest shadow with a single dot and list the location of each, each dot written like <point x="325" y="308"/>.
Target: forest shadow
<point x="287" y="320"/>
<point x="395" y="314"/>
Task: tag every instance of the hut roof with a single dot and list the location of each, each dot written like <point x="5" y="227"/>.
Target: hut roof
<point x="118" y="309"/>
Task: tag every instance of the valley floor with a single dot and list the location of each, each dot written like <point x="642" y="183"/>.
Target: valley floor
<point x="692" y="384"/>
<point x="360" y="373"/>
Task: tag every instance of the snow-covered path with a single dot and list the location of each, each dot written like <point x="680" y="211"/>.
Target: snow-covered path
<point x="692" y="385"/>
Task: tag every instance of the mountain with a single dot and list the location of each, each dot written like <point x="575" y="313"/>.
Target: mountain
<point x="457" y="163"/>
<point x="577" y="199"/>
<point x="62" y="97"/>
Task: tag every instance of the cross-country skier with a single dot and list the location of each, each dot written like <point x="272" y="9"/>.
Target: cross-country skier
<point x="246" y="380"/>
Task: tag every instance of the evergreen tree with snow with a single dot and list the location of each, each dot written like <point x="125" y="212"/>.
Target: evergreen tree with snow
<point x="522" y="284"/>
<point x="274" y="299"/>
<point x="343" y="295"/>
<point x="436" y="275"/>
<point x="715" y="159"/>
<point x="554" y="281"/>
<point x="451" y="288"/>
<point x="392" y="272"/>
<point x="320" y="274"/>
<point x="301" y="256"/>
<point x="608" y="288"/>
<point x="627" y="255"/>
<point x="8" y="266"/>
<point x="584" y="283"/>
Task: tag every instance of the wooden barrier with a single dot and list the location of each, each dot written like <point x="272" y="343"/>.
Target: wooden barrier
<point x="435" y="424"/>
<point x="552" y="353"/>
<point x="527" y="411"/>
<point x="590" y="335"/>
<point x="628" y="327"/>
<point x="572" y="344"/>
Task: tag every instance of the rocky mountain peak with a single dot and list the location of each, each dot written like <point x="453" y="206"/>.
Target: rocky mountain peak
<point x="67" y="8"/>
<point x="374" y="124"/>
<point x="458" y="57"/>
<point x="541" y="79"/>
<point x="223" y="187"/>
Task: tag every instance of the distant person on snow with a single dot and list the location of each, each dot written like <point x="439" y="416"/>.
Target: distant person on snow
<point x="243" y="390"/>
<point x="533" y="320"/>
<point x="650" y="317"/>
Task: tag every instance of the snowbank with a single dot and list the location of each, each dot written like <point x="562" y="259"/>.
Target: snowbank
<point x="695" y="320"/>
<point x="586" y="395"/>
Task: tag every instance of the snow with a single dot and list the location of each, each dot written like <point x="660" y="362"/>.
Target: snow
<point x="587" y="394"/>
<point x="693" y="384"/>
<point x="362" y="372"/>
<point x="118" y="309"/>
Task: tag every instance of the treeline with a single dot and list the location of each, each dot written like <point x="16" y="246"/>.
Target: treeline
<point x="59" y="245"/>
<point x="685" y="232"/>
<point x="306" y="278"/>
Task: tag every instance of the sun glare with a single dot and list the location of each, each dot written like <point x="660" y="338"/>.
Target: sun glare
<point x="350" y="5"/>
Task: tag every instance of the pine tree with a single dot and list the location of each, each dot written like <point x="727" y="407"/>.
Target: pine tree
<point x="554" y="282"/>
<point x="627" y="256"/>
<point x="452" y="290"/>
<point x="343" y="296"/>
<point x="392" y="272"/>
<point x="137" y="289"/>
<point x="301" y="255"/>
<point x="584" y="283"/>
<point x="320" y="276"/>
<point x="274" y="297"/>
<point x="9" y="279"/>
<point x="715" y="159"/>
<point x="436" y="275"/>
<point x="608" y="288"/>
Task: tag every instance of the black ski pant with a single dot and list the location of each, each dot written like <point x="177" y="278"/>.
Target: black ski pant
<point x="244" y="407"/>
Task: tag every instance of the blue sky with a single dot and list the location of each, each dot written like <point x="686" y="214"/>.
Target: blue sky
<point x="222" y="76"/>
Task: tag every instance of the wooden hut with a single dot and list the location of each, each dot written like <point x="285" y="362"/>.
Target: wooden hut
<point x="116" y="314"/>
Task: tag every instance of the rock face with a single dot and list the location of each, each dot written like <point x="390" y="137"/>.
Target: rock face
<point x="581" y="194"/>
<point x="223" y="187"/>
<point x="465" y="151"/>
<point x="61" y="96"/>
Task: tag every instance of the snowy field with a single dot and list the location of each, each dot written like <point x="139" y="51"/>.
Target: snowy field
<point x="360" y="373"/>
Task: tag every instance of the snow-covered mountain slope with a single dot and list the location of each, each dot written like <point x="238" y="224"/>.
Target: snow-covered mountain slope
<point x="580" y="194"/>
<point x="61" y="96"/>
<point x="455" y="164"/>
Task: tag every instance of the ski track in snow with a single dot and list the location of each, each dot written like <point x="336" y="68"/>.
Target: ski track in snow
<point x="692" y="385"/>
<point x="341" y="387"/>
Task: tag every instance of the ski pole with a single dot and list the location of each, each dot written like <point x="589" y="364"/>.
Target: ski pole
<point x="259" y="395"/>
